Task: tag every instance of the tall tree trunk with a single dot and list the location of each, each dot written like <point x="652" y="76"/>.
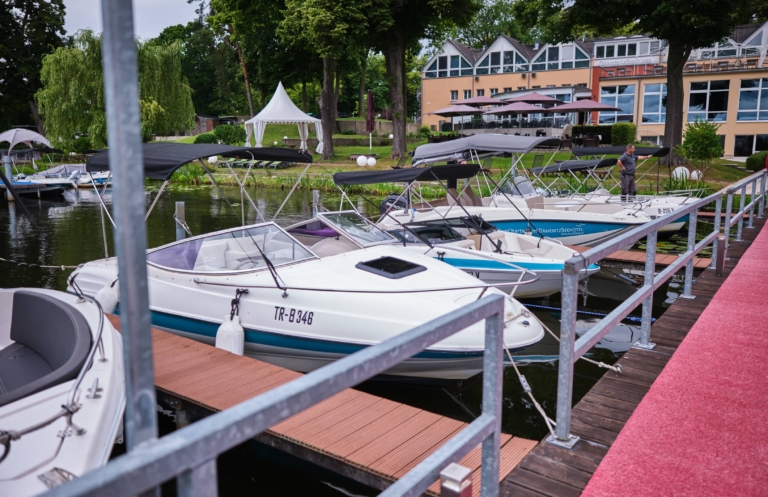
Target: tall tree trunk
<point x="36" y="116"/>
<point x="673" y="128"/>
<point x="245" y="73"/>
<point x="327" y="102"/>
<point x="361" y="93"/>
<point x="394" y="55"/>
<point x="336" y="92"/>
<point x="304" y="96"/>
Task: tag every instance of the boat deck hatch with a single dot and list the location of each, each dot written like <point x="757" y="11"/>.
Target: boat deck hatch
<point x="390" y="267"/>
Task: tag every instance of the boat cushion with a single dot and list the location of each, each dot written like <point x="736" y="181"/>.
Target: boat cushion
<point x="52" y="341"/>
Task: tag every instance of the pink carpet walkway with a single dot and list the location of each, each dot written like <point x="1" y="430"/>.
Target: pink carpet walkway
<point x="702" y="429"/>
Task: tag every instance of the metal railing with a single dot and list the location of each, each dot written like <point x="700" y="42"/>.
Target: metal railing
<point x="189" y="454"/>
<point x="571" y="348"/>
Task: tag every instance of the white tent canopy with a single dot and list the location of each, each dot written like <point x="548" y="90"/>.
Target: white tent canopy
<point x="21" y="135"/>
<point x="281" y="110"/>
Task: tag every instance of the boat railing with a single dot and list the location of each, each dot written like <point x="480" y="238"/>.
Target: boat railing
<point x="571" y="348"/>
<point x="189" y="454"/>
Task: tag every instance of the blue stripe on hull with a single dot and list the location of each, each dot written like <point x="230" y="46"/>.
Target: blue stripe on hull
<point x="559" y="229"/>
<point x="203" y="328"/>
<point x="488" y="264"/>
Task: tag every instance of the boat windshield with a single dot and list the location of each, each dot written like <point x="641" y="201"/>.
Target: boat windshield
<point x="237" y="250"/>
<point x="358" y="228"/>
<point x="518" y="185"/>
<point x="434" y="234"/>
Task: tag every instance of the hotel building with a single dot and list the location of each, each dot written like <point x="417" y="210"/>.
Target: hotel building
<point x="726" y="83"/>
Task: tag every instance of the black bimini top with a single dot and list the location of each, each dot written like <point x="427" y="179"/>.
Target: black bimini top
<point x="408" y="175"/>
<point x="619" y="150"/>
<point x="162" y="159"/>
<point x="574" y="165"/>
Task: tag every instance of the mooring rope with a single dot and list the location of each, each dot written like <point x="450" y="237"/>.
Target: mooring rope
<point x="30" y="264"/>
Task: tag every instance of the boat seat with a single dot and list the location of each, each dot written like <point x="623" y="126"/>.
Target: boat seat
<point x="468" y="197"/>
<point x="476" y="239"/>
<point x="51" y="344"/>
<point x="211" y="255"/>
<point x="535" y="202"/>
<point x="332" y="246"/>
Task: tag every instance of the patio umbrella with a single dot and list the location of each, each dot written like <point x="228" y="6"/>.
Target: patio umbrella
<point x="480" y="101"/>
<point x="370" y="120"/>
<point x="517" y="108"/>
<point x="584" y="106"/>
<point x="457" y="110"/>
<point x="534" y="98"/>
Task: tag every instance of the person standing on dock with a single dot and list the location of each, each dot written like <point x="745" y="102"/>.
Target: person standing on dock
<point x="627" y="165"/>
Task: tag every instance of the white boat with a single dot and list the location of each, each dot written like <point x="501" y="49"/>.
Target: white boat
<point x="304" y="309"/>
<point x="495" y="257"/>
<point x="61" y="389"/>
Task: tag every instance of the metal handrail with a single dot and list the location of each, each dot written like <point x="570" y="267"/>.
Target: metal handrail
<point x="190" y="453"/>
<point x="571" y="349"/>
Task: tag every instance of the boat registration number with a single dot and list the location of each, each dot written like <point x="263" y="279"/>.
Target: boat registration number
<point x="665" y="210"/>
<point x="293" y="315"/>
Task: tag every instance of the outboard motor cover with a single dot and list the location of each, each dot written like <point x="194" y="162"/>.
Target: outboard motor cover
<point x="393" y="203"/>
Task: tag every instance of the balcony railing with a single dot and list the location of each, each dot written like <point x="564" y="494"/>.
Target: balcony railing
<point x="693" y="66"/>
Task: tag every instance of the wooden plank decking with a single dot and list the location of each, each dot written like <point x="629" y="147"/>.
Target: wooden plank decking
<point x="367" y="438"/>
<point x="600" y="415"/>
<point x="639" y="257"/>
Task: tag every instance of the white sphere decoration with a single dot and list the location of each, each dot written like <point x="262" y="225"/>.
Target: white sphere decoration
<point x="362" y="160"/>
<point x="213" y="159"/>
<point x="391" y="136"/>
<point x="696" y="175"/>
<point x="285" y="138"/>
<point x="680" y="173"/>
<point x="371" y="161"/>
<point x="275" y="143"/>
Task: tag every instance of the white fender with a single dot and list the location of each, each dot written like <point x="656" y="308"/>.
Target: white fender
<point x="230" y="336"/>
<point x="108" y="296"/>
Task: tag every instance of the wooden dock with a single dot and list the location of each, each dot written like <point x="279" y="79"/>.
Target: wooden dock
<point x="600" y="415"/>
<point x="360" y="436"/>
<point x="638" y="257"/>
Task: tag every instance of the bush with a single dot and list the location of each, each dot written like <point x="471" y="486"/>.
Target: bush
<point x="756" y="162"/>
<point x="424" y="132"/>
<point x="623" y="134"/>
<point x="81" y="145"/>
<point x="207" y="138"/>
<point x="603" y="130"/>
<point x="229" y="134"/>
<point x="701" y="144"/>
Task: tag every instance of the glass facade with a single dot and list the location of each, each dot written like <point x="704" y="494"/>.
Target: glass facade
<point x="623" y="97"/>
<point x="708" y="101"/>
<point x="654" y="103"/>
<point x="753" y="100"/>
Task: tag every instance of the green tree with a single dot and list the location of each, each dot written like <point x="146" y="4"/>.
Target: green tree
<point x="409" y="22"/>
<point x="685" y="25"/>
<point x="72" y="96"/>
<point x="495" y="18"/>
<point x="334" y="30"/>
<point x="31" y="29"/>
<point x="701" y="145"/>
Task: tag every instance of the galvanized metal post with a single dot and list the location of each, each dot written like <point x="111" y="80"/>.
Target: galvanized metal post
<point x="762" y="195"/>
<point x="716" y="244"/>
<point x="720" y="261"/>
<point x="752" y="197"/>
<point x="727" y="228"/>
<point x="650" y="270"/>
<point x="456" y="481"/>
<point x="570" y="295"/>
<point x="493" y="371"/>
<point x="315" y="202"/>
<point x="742" y="199"/>
<point x="689" y="266"/>
<point x="181" y="219"/>
<point x="121" y="86"/>
<point x="199" y="482"/>
<point x="9" y="175"/>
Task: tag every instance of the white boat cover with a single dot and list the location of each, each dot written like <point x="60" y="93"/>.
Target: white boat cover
<point x="282" y="110"/>
<point x="486" y="143"/>
<point x="20" y="135"/>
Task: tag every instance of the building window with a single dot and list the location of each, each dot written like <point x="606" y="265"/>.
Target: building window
<point x="708" y="101"/>
<point x="491" y="64"/>
<point x="622" y="97"/>
<point x="442" y="66"/>
<point x="654" y="103"/>
<point x="459" y="66"/>
<point x="747" y="145"/>
<point x="431" y="71"/>
<point x="494" y="91"/>
<point x="507" y="90"/>
<point x="521" y="88"/>
<point x="753" y="100"/>
<point x="562" y="57"/>
<point x="467" y="94"/>
<point x="480" y="93"/>
<point x="752" y="47"/>
<point x="454" y="95"/>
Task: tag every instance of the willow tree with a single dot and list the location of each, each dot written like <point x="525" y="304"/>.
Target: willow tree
<point x="72" y="95"/>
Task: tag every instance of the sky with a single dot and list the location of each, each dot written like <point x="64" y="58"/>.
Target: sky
<point x="150" y="17"/>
